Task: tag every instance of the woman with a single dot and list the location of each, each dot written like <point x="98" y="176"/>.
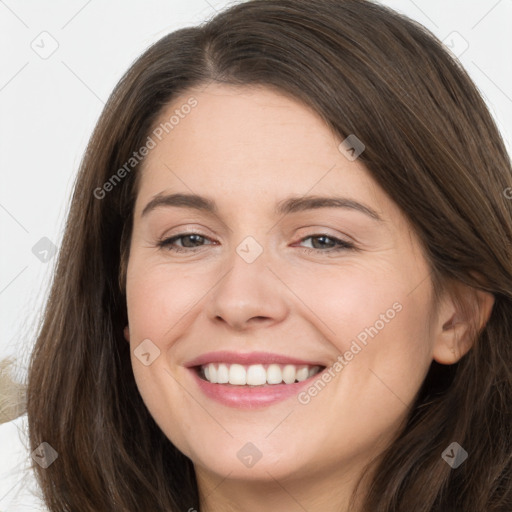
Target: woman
<point x="197" y="355"/>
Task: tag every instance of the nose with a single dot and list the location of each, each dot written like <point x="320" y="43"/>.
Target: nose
<point x="249" y="295"/>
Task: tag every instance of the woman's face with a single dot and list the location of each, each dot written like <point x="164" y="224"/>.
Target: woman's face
<point x="266" y="283"/>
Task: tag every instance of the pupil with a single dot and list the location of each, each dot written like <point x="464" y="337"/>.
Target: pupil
<point x="321" y="238"/>
<point x="189" y="237"/>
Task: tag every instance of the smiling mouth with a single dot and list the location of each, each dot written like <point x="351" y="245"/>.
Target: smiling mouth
<point x="256" y="375"/>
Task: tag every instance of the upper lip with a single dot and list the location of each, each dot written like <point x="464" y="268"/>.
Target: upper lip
<point x="248" y="358"/>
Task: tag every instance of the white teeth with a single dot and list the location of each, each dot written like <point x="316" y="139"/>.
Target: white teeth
<point x="289" y="374"/>
<point x="222" y="374"/>
<point x="257" y="374"/>
<point x="313" y="371"/>
<point x="302" y="374"/>
<point x="237" y="375"/>
<point x="212" y="371"/>
<point x="274" y="374"/>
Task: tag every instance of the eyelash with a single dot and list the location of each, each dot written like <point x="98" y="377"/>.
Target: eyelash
<point x="167" y="243"/>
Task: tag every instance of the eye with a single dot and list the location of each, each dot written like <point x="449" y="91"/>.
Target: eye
<point x="193" y="241"/>
<point x="189" y="241"/>
<point x="335" y="244"/>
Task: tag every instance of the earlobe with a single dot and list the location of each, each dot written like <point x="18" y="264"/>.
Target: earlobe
<point x="126" y="332"/>
<point x="455" y="336"/>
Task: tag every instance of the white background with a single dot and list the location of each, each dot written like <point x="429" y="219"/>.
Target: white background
<point x="49" y="107"/>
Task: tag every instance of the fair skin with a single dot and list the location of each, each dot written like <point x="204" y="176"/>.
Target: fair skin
<point x="247" y="149"/>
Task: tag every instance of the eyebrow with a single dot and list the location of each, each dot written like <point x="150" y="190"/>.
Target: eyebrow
<point x="284" y="207"/>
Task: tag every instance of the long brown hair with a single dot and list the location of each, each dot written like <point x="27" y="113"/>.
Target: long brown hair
<point x="431" y="144"/>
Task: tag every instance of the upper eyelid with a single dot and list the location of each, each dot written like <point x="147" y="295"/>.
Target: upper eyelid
<point x="317" y="230"/>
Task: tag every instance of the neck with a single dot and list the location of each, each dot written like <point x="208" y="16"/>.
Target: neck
<point x="325" y="492"/>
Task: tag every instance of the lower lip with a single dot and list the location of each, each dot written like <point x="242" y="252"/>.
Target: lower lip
<point x="248" y="397"/>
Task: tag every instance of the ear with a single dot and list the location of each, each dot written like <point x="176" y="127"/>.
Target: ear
<point x="459" y="321"/>
<point x="126" y="332"/>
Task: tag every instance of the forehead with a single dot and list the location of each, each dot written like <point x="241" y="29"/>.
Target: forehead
<point x="251" y="144"/>
<point x="248" y="124"/>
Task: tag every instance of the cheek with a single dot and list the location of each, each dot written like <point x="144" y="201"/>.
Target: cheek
<point x="377" y="319"/>
<point x="350" y="301"/>
<point x="158" y="297"/>
<point x="165" y="400"/>
<point x="393" y="351"/>
<point x="380" y="329"/>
